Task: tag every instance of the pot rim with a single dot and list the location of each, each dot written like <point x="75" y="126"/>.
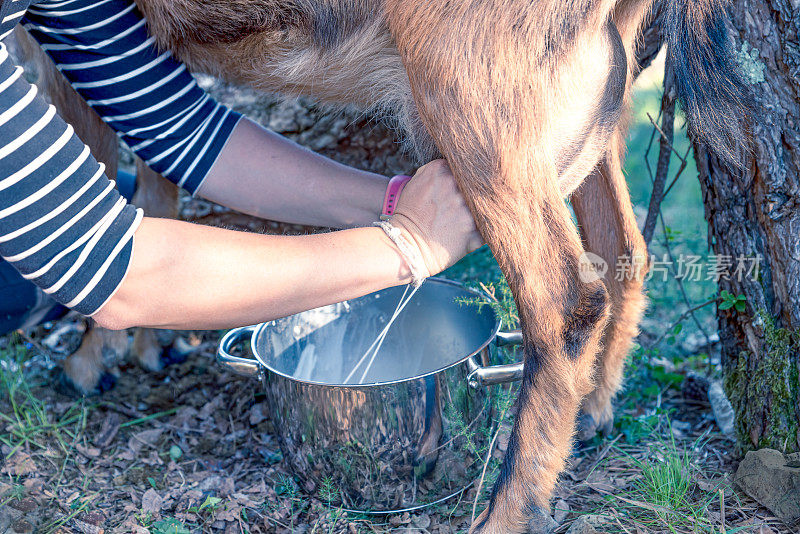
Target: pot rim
<point x="443" y="281"/>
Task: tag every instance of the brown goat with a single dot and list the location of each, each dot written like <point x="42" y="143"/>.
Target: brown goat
<point x="524" y="99"/>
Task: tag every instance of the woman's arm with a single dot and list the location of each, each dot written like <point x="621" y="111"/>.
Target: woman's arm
<point x="177" y="274"/>
<point x="103" y="49"/>
<point x="161" y="113"/>
<point x="63" y="226"/>
<point x="187" y="276"/>
<point x="264" y="174"/>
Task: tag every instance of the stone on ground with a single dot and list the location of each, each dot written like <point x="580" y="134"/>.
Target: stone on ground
<point x="587" y="524"/>
<point x="541" y="522"/>
<point x="18" y="516"/>
<point x="773" y="479"/>
<point x="721" y="406"/>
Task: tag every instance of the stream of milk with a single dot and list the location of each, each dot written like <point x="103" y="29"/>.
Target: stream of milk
<point x="375" y="347"/>
<point x="325" y="336"/>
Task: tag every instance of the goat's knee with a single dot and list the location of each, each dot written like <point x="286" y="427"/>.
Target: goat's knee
<point x="584" y="323"/>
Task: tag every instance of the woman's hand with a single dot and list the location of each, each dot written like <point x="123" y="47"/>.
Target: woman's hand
<point x="433" y="213"/>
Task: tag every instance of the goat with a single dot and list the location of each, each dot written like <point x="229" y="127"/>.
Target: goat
<point x="526" y="100"/>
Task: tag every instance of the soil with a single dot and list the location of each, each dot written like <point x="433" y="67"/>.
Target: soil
<point x="192" y="449"/>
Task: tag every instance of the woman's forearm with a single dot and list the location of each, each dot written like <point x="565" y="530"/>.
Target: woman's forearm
<point x="264" y="174"/>
<point x="187" y="276"/>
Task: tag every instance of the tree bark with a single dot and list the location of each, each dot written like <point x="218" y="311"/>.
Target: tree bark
<point x="756" y="214"/>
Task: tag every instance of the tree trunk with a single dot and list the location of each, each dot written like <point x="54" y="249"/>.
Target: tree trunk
<point x="756" y="214"/>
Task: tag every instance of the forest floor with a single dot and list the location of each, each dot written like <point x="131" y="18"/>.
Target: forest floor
<point x="192" y="449"/>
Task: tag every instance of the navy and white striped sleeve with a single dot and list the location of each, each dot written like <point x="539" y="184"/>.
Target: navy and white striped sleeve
<point x="63" y="225"/>
<point x="103" y="48"/>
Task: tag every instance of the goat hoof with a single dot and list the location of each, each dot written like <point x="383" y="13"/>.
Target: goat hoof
<point x="66" y="386"/>
<point x="589" y="427"/>
<point x="424" y="465"/>
<point x="606" y="428"/>
<point x="172" y="356"/>
<point x="541" y="522"/>
<point x="178" y="352"/>
<point x="107" y="382"/>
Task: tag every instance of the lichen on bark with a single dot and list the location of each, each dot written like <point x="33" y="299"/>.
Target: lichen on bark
<point x="765" y="390"/>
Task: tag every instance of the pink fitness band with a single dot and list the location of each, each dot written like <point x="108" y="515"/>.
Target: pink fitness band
<point x="393" y="190"/>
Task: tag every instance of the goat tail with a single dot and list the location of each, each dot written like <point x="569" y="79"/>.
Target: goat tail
<point x="708" y="78"/>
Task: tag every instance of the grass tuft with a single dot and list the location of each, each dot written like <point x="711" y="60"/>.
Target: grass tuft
<point x="668" y="482"/>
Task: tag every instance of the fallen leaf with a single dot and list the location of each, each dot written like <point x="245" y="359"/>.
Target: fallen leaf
<point x="20" y="464"/>
<point x="108" y="431"/>
<point x="207" y="410"/>
<point x="560" y="511"/>
<point x="144" y="438"/>
<point x="422" y="521"/>
<point x="89" y="452"/>
<point x="151" y="502"/>
<point x="600" y="483"/>
<point x="32" y="485"/>
<point x="257" y="414"/>
<point x="230" y="513"/>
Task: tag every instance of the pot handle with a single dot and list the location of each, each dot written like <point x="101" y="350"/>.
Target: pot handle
<point x="496" y="374"/>
<point x="241" y="366"/>
<point x="503" y="339"/>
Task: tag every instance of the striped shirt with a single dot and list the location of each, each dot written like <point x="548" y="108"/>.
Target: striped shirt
<point x="62" y="224"/>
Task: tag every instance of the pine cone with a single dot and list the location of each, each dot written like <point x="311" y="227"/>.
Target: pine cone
<point x="695" y="387"/>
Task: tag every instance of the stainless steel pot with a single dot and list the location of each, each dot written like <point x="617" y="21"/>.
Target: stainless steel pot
<point x="414" y="433"/>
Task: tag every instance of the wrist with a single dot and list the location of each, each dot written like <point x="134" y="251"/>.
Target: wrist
<point x="368" y="200"/>
<point x="409" y="248"/>
<point x="401" y="272"/>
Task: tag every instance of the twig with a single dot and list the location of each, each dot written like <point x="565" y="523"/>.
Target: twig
<point x="680" y="283"/>
<point x="667" y="131"/>
<point x="483" y="471"/>
<point x="680" y="319"/>
<point x="665" y="141"/>
<point x="684" y="163"/>
<point x="602" y="455"/>
<point x="616" y="518"/>
<point x="661" y="133"/>
<point x="486" y="463"/>
<point x="653" y="132"/>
